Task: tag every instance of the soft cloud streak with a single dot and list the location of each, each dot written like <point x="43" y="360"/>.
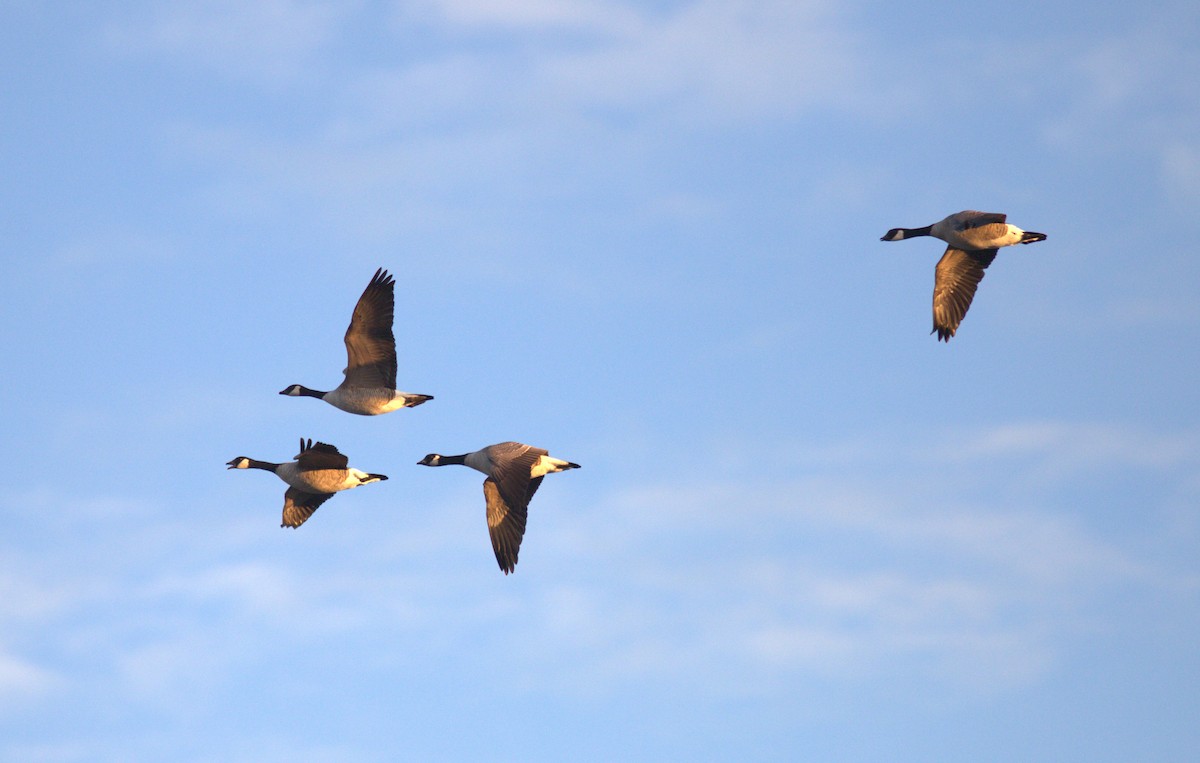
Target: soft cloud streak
<point x="266" y="41"/>
<point x="22" y="681"/>
<point x="529" y="15"/>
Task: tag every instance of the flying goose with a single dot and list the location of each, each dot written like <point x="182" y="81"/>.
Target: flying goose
<point x="973" y="239"/>
<point x="514" y="472"/>
<point x="369" y="388"/>
<point x="318" y="472"/>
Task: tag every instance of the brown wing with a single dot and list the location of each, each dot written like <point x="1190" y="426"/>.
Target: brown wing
<point x="319" y="456"/>
<point x="957" y="275"/>
<point x="972" y="219"/>
<point x="370" y="343"/>
<point x="512" y="463"/>
<point x="299" y="506"/>
<point x="534" y="484"/>
<point x="506" y="526"/>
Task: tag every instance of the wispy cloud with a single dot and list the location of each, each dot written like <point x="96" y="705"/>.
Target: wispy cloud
<point x="1127" y="98"/>
<point x="861" y="573"/>
<point x="23" y="681"/>
<point x="266" y="42"/>
<point x="1081" y="445"/>
<point x="714" y="60"/>
<point x="697" y="63"/>
<point x="718" y="61"/>
<point x="1181" y="172"/>
<point x="845" y="582"/>
<point x="752" y="585"/>
<point x="589" y="15"/>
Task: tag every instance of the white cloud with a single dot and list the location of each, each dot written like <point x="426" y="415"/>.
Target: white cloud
<point x="854" y="576"/>
<point x="745" y="586"/>
<point x="606" y="17"/>
<point x="1125" y="97"/>
<point x="479" y="123"/>
<point x="704" y="61"/>
<point x="1072" y="446"/>
<point x="717" y="61"/>
<point x="1181" y="173"/>
<point x="247" y="586"/>
<point x="263" y="41"/>
<point x="700" y="62"/>
<point x="21" y="680"/>
<point x="176" y="668"/>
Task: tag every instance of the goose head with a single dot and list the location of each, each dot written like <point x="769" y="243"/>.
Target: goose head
<point x="241" y="462"/>
<point x="433" y="459"/>
<point x="895" y="234"/>
<point x="293" y="391"/>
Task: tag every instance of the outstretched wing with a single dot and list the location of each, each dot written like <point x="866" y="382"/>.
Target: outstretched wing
<point x="370" y="343"/>
<point x="318" y="456"/>
<point x="957" y="275"/>
<point x="299" y="506"/>
<point x="512" y="464"/>
<point x="506" y="526"/>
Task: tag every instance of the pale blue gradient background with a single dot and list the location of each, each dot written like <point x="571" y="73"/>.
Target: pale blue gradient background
<point x="646" y="237"/>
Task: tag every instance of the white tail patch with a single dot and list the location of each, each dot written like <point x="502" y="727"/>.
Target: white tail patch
<point x="361" y="478"/>
<point x="549" y="465"/>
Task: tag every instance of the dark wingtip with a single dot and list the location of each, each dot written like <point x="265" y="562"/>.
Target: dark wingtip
<point x="381" y="278"/>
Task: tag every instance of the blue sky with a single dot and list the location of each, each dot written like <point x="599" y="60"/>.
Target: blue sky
<point x="646" y="237"/>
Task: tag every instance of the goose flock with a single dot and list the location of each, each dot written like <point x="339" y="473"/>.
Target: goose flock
<point x="514" y="471"/>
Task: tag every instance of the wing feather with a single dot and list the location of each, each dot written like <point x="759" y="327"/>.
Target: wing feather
<point x="370" y="343"/>
<point x="512" y="465"/>
<point x="956" y="277"/>
<point x="972" y="219"/>
<point x="506" y="526"/>
<point x="320" y="456"/>
<point x="298" y="506"/>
